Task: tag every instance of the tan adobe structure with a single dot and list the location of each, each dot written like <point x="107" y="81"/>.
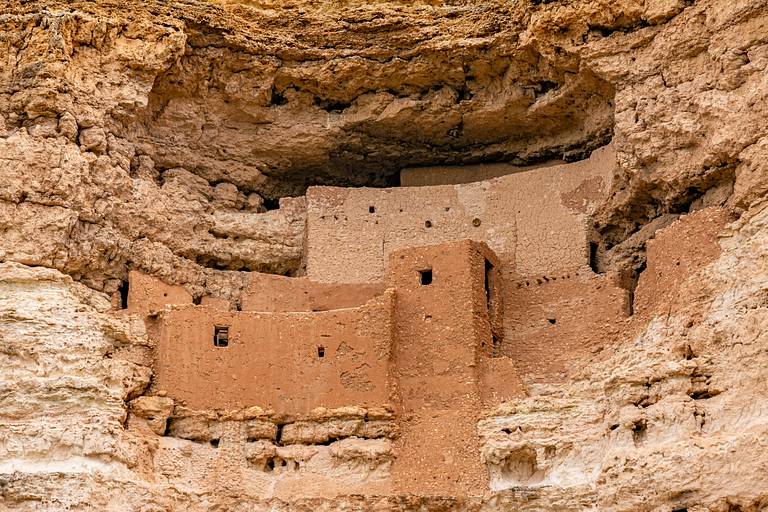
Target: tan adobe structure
<point x="420" y="306"/>
<point x="385" y="352"/>
<point x="535" y="221"/>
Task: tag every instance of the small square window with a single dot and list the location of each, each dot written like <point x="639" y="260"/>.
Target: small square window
<point x="371" y="209"/>
<point x="220" y="336"/>
<point x="320" y="351"/>
<point x="425" y="277"/>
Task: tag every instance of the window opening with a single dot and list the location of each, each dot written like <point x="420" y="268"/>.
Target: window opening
<point x="593" y="263"/>
<point x="371" y="209"/>
<point x="320" y="351"/>
<point x="123" y="289"/>
<point x="489" y="283"/>
<point x="425" y="277"/>
<point x="220" y="336"/>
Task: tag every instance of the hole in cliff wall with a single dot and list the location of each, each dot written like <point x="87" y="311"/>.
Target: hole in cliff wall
<point x="279" y="464"/>
<point x="277" y="98"/>
<point x="220" y="336"/>
<point x="371" y="209"/>
<point x="330" y="105"/>
<point x="496" y="347"/>
<point x="521" y="467"/>
<point x="123" y="290"/>
<point x="321" y="351"/>
<point x="593" y="261"/>
<point x="214" y="443"/>
<point x="639" y="432"/>
<point x="545" y="86"/>
<point x="425" y="277"/>
<point x="279" y="434"/>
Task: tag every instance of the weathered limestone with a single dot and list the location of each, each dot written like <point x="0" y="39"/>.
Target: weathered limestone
<point x="154" y="136"/>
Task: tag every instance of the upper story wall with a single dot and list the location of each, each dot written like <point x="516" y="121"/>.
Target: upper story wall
<point x="292" y="362"/>
<point x="268" y="292"/>
<point x="534" y="221"/>
<point x="456" y="174"/>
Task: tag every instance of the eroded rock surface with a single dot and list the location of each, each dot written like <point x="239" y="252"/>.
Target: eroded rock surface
<point x="177" y="138"/>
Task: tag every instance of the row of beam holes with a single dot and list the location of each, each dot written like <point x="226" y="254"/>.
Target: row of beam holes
<point x="544" y="279"/>
<point x="428" y="223"/>
<point x="551" y="320"/>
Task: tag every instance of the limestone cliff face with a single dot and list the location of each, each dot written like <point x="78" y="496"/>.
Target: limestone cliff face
<point x="177" y="138"/>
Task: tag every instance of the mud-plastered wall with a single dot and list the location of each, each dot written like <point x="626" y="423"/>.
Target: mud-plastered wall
<point x="534" y="221"/>
<point x="293" y="362"/>
<point x="443" y="330"/>
<point x="269" y="292"/>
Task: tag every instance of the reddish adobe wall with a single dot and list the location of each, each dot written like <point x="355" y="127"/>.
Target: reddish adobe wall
<point x="554" y="322"/>
<point x="430" y="344"/>
<point x="443" y="330"/>
<point x="292" y="362"/>
<point x="685" y="246"/>
<point x="267" y="292"/>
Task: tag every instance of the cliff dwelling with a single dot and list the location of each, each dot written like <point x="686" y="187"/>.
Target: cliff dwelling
<point x="390" y="256"/>
<point x="419" y="307"/>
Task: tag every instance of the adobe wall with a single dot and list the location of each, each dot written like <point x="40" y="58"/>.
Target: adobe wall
<point x="148" y="295"/>
<point x="268" y="292"/>
<point x="554" y="322"/>
<point x="456" y="174"/>
<point x="534" y="221"/>
<point x="676" y="251"/>
<point x="273" y="359"/>
<point x="443" y="329"/>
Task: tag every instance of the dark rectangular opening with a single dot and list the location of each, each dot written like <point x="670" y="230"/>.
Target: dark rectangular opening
<point x="593" y="259"/>
<point x="371" y="209"/>
<point x="489" y="277"/>
<point x="123" y="289"/>
<point x="496" y="347"/>
<point x="220" y="336"/>
<point x="321" y="351"/>
<point x="425" y="277"/>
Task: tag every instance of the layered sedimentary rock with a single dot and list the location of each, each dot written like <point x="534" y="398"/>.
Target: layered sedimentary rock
<point x="178" y="139"/>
